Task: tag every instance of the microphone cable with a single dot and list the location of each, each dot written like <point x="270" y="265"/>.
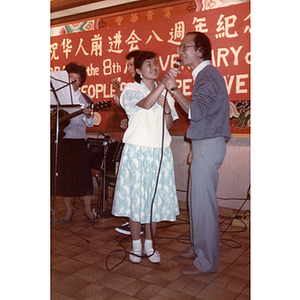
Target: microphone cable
<point x="158" y="173"/>
<point x="152" y="202"/>
<point x="177" y="64"/>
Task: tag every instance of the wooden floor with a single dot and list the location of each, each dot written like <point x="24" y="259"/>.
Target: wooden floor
<point x="79" y="268"/>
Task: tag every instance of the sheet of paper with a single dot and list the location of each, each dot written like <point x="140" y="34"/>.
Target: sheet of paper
<point x="64" y="90"/>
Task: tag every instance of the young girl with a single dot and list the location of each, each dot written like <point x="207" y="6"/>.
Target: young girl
<point x="143" y="102"/>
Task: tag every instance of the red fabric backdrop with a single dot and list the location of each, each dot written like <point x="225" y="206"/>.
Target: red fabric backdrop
<point x="103" y="49"/>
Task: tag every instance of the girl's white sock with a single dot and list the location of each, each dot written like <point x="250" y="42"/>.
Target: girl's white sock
<point x="137" y="244"/>
<point x="137" y="250"/>
<point x="154" y="257"/>
<point x="148" y="245"/>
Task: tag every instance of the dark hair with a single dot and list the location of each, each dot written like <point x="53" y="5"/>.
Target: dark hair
<point x="140" y="59"/>
<point x="78" y="69"/>
<point x="202" y="43"/>
<point x="132" y="54"/>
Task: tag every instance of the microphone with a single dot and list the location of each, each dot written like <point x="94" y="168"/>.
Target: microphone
<point x="177" y="64"/>
<point x="107" y="137"/>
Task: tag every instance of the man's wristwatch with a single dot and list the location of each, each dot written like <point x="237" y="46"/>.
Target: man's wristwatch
<point x="173" y="89"/>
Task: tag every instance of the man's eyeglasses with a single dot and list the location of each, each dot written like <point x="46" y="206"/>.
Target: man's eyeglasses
<point x="182" y="48"/>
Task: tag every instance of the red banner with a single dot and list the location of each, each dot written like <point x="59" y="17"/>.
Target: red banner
<point x="103" y="52"/>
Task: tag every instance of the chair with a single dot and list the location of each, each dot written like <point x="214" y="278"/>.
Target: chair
<point x="110" y="180"/>
<point x="104" y="160"/>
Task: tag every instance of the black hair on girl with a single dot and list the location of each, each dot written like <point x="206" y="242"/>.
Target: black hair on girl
<point x="139" y="60"/>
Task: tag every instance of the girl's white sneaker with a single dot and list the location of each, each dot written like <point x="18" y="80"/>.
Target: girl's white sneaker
<point x="135" y="259"/>
<point x="155" y="258"/>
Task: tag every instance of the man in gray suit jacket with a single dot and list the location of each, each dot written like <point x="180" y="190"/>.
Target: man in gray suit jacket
<point x="209" y="130"/>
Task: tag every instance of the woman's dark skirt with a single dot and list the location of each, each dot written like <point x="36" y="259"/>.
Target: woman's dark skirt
<point x="74" y="171"/>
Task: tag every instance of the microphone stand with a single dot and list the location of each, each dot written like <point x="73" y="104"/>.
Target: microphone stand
<point x="104" y="214"/>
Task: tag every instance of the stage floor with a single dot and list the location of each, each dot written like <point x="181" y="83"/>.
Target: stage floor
<point x="78" y="268"/>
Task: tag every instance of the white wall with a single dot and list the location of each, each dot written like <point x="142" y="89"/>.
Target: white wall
<point x="234" y="173"/>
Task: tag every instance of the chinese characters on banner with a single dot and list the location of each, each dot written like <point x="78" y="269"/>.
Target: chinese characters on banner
<point x="103" y="53"/>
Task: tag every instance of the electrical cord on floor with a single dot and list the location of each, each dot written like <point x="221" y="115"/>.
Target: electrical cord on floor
<point x="115" y="251"/>
<point x="185" y="239"/>
<point x="225" y="241"/>
<point x="121" y="240"/>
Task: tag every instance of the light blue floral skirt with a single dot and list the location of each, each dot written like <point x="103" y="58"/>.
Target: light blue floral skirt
<point x="136" y="185"/>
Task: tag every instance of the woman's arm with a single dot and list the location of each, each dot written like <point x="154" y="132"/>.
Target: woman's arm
<point x="152" y="98"/>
